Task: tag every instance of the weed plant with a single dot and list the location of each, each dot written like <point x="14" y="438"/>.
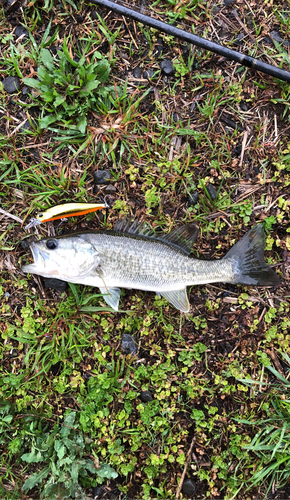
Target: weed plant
<point x="69" y="89"/>
<point x="271" y="443"/>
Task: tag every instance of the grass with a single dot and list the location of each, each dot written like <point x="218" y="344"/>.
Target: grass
<point x="72" y="415"/>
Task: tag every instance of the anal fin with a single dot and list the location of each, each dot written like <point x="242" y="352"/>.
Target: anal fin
<point x="178" y="298"/>
<point x="111" y="296"/>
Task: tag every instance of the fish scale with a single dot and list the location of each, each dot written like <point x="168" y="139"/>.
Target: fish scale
<point x="132" y="257"/>
<point x="150" y="265"/>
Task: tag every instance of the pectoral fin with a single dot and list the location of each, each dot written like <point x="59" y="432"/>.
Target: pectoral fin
<point x="111" y="296"/>
<point x="178" y="298"/>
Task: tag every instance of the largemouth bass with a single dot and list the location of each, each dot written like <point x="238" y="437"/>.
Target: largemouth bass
<point x="131" y="256"/>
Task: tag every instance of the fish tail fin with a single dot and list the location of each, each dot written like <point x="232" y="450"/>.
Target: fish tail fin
<point x="248" y="254"/>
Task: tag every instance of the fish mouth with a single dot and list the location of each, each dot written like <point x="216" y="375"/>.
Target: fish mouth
<point x="39" y="260"/>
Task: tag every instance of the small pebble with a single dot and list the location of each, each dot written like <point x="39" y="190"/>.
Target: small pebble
<point x="228" y="2"/>
<point x="24" y="244"/>
<point x="176" y="117"/>
<point x="110" y="189"/>
<point x="20" y="31"/>
<point x="79" y="19"/>
<point x="211" y="191"/>
<point x="102" y="176"/>
<point x="276" y="36"/>
<point x="215" y="10"/>
<point x="97" y="491"/>
<point x="188" y="487"/>
<point x="192" y="198"/>
<point x="146" y="396"/>
<point x="6" y="295"/>
<point x="167" y="67"/>
<point x="239" y="39"/>
<point x="129" y="344"/>
<point x="148" y="74"/>
<point x="137" y="72"/>
<point x="55" y="284"/>
<point x="243" y="106"/>
<point x="26" y="125"/>
<point x="11" y="84"/>
<point x="236" y="152"/>
<point x="267" y="40"/>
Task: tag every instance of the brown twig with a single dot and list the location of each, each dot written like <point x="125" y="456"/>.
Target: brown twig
<point x="243" y="148"/>
<point x="276" y="361"/>
<point x="185" y="469"/>
<point x="11" y="216"/>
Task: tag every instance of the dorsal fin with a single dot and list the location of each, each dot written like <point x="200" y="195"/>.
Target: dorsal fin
<point x="133" y="227"/>
<point x="184" y="237"/>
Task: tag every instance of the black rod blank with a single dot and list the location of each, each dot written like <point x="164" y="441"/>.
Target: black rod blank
<point x="233" y="55"/>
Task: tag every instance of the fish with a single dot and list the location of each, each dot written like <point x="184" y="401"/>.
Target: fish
<point x="132" y="256"/>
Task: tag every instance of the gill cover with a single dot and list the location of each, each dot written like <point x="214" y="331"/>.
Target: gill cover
<point x="71" y="257"/>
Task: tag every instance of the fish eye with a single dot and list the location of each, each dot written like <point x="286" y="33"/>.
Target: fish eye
<point x="51" y="244"/>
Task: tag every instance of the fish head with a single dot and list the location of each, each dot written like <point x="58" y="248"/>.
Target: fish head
<point x="63" y="257"/>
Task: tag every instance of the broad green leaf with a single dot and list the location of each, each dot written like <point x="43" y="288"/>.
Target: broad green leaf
<point x="31" y="82"/>
<point x="68" y="423"/>
<point x="59" y="100"/>
<point x="33" y="480"/>
<point x="32" y="457"/>
<point x="103" y="70"/>
<point x="82" y="71"/>
<point x="59" y="491"/>
<point x="7" y="419"/>
<point x="47" y="120"/>
<point x="89" y="465"/>
<point x="44" y="75"/>
<point x="90" y="86"/>
<point x="82" y="124"/>
<point x="98" y="55"/>
<point x="75" y="469"/>
<point x="106" y="471"/>
<point x="65" y="461"/>
<point x="47" y="59"/>
<point x="48" y="96"/>
<point x="61" y="452"/>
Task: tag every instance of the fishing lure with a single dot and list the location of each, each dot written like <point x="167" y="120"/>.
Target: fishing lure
<point x="64" y="211"/>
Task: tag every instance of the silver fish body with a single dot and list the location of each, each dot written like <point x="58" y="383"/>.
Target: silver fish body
<point x="131" y="257"/>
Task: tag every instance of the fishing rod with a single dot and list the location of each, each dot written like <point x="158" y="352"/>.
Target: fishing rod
<point x="233" y="55"/>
